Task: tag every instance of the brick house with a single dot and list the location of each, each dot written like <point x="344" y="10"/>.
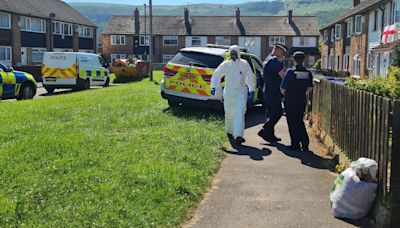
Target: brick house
<point x="352" y="41"/>
<point x="30" y="28"/>
<point x="127" y="35"/>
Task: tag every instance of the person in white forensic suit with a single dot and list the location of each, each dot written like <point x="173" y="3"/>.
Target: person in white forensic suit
<point x="239" y="90"/>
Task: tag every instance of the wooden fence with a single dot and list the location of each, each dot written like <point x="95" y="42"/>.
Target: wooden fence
<point x="364" y="125"/>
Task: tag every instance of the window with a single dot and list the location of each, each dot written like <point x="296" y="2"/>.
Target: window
<point x="276" y="39"/>
<point x="85" y="32"/>
<point x="338" y="31"/>
<point x="167" y="58"/>
<point x="5" y="54"/>
<point x="311" y="60"/>
<point x="37" y="54"/>
<point x="60" y="28"/>
<point x="337" y="61"/>
<point x="31" y="24"/>
<point x="332" y="34"/>
<point x="375" y="22"/>
<point x="117" y="56"/>
<point x="170" y="40"/>
<point x="326" y="36"/>
<point x="358" y="24"/>
<point x="370" y="61"/>
<point x="249" y="41"/>
<point x="62" y="50"/>
<point x="346" y="61"/>
<point x="5" y="20"/>
<point x="331" y="62"/>
<point x="223" y="40"/>
<point x="144" y="40"/>
<point x="201" y="59"/>
<point x="397" y="13"/>
<point x="196" y="41"/>
<point x="117" y="39"/>
<point x="349" y="30"/>
<point x="86" y="50"/>
<point x="357" y="64"/>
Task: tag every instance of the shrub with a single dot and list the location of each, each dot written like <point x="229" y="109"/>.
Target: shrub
<point x="386" y="87"/>
<point x="317" y="64"/>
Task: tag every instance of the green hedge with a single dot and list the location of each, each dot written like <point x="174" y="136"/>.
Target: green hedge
<point x="383" y="86"/>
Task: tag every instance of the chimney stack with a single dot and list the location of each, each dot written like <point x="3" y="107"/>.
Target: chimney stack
<point x="356" y="2"/>
<point x="290" y="15"/>
<point x="237" y="15"/>
<point x="137" y="22"/>
<point x="186" y="15"/>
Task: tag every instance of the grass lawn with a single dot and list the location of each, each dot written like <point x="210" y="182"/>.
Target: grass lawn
<point x="108" y="157"/>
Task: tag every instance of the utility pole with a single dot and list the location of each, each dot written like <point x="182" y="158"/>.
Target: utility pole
<point x="151" y="40"/>
<point x="145" y="32"/>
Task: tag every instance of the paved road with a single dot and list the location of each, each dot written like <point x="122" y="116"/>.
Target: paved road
<point x="42" y="93"/>
<point x="261" y="185"/>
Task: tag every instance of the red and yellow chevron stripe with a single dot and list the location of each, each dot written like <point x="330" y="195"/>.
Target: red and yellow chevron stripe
<point x="69" y="72"/>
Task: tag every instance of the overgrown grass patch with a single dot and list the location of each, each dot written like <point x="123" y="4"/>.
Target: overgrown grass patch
<point x="109" y="157"/>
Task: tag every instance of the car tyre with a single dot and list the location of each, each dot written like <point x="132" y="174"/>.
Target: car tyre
<point x="173" y="104"/>
<point x="26" y="92"/>
<point x="86" y="84"/>
<point x="50" y="90"/>
<point x="107" y="84"/>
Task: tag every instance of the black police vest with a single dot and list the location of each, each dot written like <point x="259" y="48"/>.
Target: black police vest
<point x="297" y="88"/>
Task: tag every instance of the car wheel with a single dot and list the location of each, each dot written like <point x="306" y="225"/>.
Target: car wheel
<point x="50" y="90"/>
<point x="86" y="86"/>
<point x="107" y="84"/>
<point x="26" y="92"/>
<point x="173" y="104"/>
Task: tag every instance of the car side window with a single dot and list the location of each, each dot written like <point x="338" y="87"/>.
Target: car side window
<point x="248" y="59"/>
<point x="258" y="65"/>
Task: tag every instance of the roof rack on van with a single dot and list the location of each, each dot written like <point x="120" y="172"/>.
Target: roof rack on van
<point x="224" y="47"/>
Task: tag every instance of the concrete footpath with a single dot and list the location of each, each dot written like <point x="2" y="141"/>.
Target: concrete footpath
<point x="264" y="185"/>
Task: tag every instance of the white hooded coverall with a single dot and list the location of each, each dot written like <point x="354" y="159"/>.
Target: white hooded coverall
<point x="239" y="80"/>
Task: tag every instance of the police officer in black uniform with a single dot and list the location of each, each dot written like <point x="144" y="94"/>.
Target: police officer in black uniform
<point x="273" y="74"/>
<point x="295" y="85"/>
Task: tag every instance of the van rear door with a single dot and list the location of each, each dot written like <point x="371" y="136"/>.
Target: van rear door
<point x="59" y="65"/>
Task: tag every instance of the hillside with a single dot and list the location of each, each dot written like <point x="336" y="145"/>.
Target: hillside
<point x="325" y="10"/>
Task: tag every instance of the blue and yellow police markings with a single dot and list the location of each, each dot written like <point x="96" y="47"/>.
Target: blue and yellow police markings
<point x="9" y="82"/>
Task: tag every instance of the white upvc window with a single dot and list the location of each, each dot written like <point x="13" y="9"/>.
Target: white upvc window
<point x="223" y="40"/>
<point x="5" y="54"/>
<point x="144" y="40"/>
<point x="170" y="40"/>
<point x="31" y="24"/>
<point x="5" y="20"/>
<point x="337" y="62"/>
<point x="358" y="24"/>
<point x="117" y="56"/>
<point x="37" y="54"/>
<point x="311" y="60"/>
<point x="196" y="41"/>
<point x="346" y="61"/>
<point x="397" y="13"/>
<point x="326" y="35"/>
<point x="349" y="30"/>
<point x="331" y="62"/>
<point x="276" y="39"/>
<point x="85" y="31"/>
<point x="332" y="34"/>
<point x="370" y="61"/>
<point x="167" y="58"/>
<point x="117" y="39"/>
<point x="338" y="31"/>
<point x="61" y="28"/>
<point x="357" y="65"/>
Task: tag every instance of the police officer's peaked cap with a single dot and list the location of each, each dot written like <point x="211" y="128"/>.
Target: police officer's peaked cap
<point x="281" y="46"/>
<point x="299" y="54"/>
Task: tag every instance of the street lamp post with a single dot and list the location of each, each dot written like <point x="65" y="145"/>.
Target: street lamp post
<point x="145" y="35"/>
<point x="151" y="41"/>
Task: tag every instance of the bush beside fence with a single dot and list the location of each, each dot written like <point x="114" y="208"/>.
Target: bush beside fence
<point x="362" y="124"/>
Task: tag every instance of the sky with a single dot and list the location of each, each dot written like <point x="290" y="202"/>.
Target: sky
<point x="167" y="2"/>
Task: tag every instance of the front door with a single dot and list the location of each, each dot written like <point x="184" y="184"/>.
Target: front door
<point x="24" y="56"/>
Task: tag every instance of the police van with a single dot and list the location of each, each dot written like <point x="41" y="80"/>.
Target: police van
<point x="16" y="84"/>
<point x="73" y="70"/>
<point x="187" y="77"/>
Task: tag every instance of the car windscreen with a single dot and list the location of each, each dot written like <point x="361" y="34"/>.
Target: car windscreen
<point x="197" y="59"/>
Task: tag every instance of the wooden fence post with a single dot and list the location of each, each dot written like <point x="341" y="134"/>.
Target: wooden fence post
<point x="395" y="166"/>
